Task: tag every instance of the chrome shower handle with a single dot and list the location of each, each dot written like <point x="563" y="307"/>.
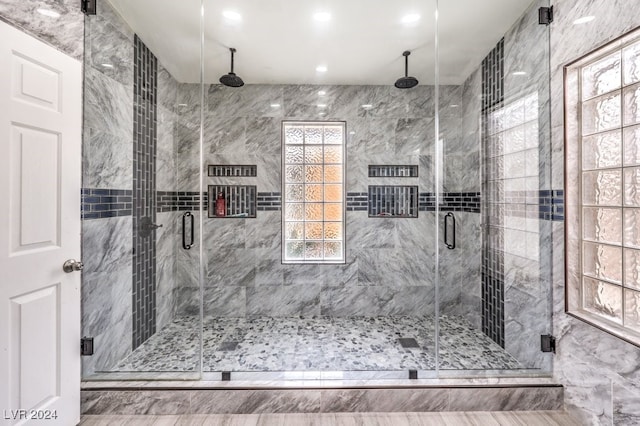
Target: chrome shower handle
<point x="450" y="245"/>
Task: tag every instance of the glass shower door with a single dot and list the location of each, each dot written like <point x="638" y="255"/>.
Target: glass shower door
<point x="141" y="196"/>
<point x="495" y="202"/>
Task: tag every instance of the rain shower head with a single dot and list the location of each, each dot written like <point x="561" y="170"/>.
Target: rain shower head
<point x="231" y="79"/>
<point x="406" y="82"/>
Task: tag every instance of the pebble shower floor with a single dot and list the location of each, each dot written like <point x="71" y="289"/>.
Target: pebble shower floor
<point x="316" y="343"/>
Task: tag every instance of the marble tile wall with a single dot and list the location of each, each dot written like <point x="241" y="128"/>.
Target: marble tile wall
<point x="600" y="372"/>
<point x="108" y="165"/>
<point x="64" y="32"/>
<point x="384" y="274"/>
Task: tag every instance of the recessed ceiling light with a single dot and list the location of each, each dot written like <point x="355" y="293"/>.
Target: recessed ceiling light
<point x="520" y="73"/>
<point x="322" y="93"/>
<point x="321" y="68"/>
<point x="322" y="16"/>
<point x="367" y="106"/>
<point x="583" y="20"/>
<point x="410" y="18"/>
<point x="106" y="65"/>
<point x="275" y="105"/>
<point x="322" y="105"/>
<point x="232" y="15"/>
<point x="48" y="12"/>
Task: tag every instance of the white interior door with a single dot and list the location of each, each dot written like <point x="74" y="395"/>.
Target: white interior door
<point x="40" y="169"/>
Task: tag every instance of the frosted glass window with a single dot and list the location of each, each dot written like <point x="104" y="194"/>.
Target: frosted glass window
<point x="313" y="196"/>
<point x="604" y="163"/>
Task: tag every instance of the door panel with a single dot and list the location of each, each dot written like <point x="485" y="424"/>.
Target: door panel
<point x="40" y="160"/>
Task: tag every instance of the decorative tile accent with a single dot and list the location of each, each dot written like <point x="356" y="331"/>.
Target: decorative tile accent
<point x="357" y="201"/>
<point x="269" y="201"/>
<point x="551" y="204"/>
<point x="492" y="241"/>
<point x="451" y="202"/>
<point x="172" y="201"/>
<point x="393" y="171"/>
<point x="240" y="200"/>
<point x="227" y="170"/>
<point x="393" y="201"/>
<point x="144" y="192"/>
<point x="104" y="203"/>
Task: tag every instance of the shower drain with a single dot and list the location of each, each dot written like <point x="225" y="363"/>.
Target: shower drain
<point x="408" y="342"/>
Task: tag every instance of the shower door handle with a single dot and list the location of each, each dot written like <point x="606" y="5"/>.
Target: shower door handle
<point x="451" y="244"/>
<point x="188" y="245"/>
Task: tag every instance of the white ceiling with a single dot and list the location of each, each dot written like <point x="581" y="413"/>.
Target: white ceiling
<point x="279" y="42"/>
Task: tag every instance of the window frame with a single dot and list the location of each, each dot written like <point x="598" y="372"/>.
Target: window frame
<point x="573" y="188"/>
<point x="330" y="261"/>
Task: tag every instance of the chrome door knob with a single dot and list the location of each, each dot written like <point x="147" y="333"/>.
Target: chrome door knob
<point x="72" y="265"/>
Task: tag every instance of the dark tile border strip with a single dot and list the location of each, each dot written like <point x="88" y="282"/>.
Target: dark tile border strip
<point x="269" y="201"/>
<point x="105" y="203"/>
<point x="451" y="202"/>
<point x="174" y="201"/>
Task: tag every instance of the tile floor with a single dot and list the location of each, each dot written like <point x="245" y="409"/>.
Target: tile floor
<point x="316" y="344"/>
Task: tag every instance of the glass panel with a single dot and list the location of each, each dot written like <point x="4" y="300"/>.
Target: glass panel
<point x="293" y="174"/>
<point x="333" y="174"/>
<point x="294" y="192"/>
<point x="313" y="211"/>
<point x="313" y="154"/>
<point x="602" y="188"/>
<point x="632" y="105"/>
<point x="601" y="114"/>
<point x="601" y="77"/>
<point x="632" y="145"/>
<point x="332" y="250"/>
<point x="294" y="230"/>
<point x="294" y="135"/>
<point x="295" y="249"/>
<point x="632" y="227"/>
<point x="602" y="262"/>
<point x="333" y="231"/>
<point x="313" y="193"/>
<point x="632" y="268"/>
<point x="602" y="150"/>
<point x="294" y="211"/>
<point x="603" y="299"/>
<point x="313" y="250"/>
<point x="333" y="192"/>
<point x="313" y="230"/>
<point x="294" y="154"/>
<point x="312" y="134"/>
<point x="333" y="211"/>
<point x="602" y="225"/>
<point x="632" y="309"/>
<point x="333" y="135"/>
<point x="313" y="173"/>
<point x="631" y="63"/>
<point x="333" y="154"/>
<point x="632" y="187"/>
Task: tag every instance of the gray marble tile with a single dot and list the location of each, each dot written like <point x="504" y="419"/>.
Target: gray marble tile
<point x="626" y="405"/>
<point x="234" y="267"/>
<point x="283" y="300"/>
<point x="506" y="399"/>
<point x="107" y="160"/>
<point x="135" y="402"/>
<point x="256" y="401"/>
<point x="108" y="105"/>
<point x="66" y="33"/>
<point x="265" y="232"/>
<point x="225" y="301"/>
<point x="110" y="346"/>
<point x="106" y="300"/>
<point x="462" y="172"/>
<point x="378" y="400"/>
<point x="106" y="244"/>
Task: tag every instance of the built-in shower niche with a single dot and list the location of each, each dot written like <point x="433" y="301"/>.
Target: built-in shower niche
<point x="236" y="171"/>
<point x="239" y="201"/>
<point x="393" y="171"/>
<point x="393" y="201"/>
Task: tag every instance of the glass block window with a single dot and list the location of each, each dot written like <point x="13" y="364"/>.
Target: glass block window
<point x="313" y="196"/>
<point x="603" y="166"/>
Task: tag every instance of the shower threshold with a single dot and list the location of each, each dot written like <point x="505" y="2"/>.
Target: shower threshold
<point x="317" y="346"/>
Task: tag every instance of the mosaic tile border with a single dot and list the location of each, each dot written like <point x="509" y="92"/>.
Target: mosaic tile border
<point x="451" y="202"/>
<point x="225" y="170"/>
<point x="268" y="201"/>
<point x="240" y="201"/>
<point x="393" y="201"/>
<point x="104" y="203"/>
<point x="173" y="201"/>
<point x="551" y="205"/>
